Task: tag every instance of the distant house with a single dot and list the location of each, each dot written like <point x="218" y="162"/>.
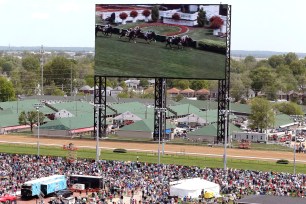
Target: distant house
<point x="281" y="95"/>
<point x="133" y="83"/>
<point x="116" y="90"/>
<point x="249" y="94"/>
<point x="173" y="92"/>
<point x="85" y="89"/>
<point x="109" y="90"/>
<point x="202" y="93"/>
<point x="188" y="92"/>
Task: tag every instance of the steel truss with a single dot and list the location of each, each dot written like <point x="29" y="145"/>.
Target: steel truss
<point x="224" y="86"/>
<point x="100" y="106"/>
<point x="160" y="109"/>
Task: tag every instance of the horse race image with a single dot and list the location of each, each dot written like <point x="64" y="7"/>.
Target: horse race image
<point x="171" y="41"/>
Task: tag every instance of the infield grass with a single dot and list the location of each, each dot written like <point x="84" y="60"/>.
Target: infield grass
<point x="151" y="157"/>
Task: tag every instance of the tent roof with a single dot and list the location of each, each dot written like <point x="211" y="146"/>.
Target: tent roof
<point x="173" y="90"/>
<point x="193" y="184"/>
<point x="85" y="88"/>
<point x="127" y="116"/>
<point x="146" y="125"/>
<point x="211" y="130"/>
<point x="189" y="90"/>
<point x="202" y="91"/>
<point x="191" y="118"/>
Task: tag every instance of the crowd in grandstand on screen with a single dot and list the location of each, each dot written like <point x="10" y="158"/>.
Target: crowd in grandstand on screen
<point x="151" y="181"/>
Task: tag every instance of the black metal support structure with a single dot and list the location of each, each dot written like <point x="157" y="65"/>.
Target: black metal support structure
<point x="160" y="107"/>
<point x="100" y="106"/>
<point x="224" y="85"/>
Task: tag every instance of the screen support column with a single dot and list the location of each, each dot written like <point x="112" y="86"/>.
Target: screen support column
<point x="100" y="102"/>
<point x="224" y="86"/>
<point x="160" y="109"/>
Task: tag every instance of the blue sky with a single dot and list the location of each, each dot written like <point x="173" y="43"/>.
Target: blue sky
<point x="270" y="25"/>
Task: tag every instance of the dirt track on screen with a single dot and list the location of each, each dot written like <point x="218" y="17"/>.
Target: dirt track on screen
<point x="169" y="148"/>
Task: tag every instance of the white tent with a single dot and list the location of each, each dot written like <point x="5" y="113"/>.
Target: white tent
<point x="192" y="118"/>
<point x="127" y="116"/>
<point x="193" y="187"/>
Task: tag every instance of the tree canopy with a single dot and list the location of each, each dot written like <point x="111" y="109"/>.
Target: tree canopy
<point x="262" y="114"/>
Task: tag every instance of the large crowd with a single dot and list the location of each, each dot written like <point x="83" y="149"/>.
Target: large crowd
<point x="151" y="181"/>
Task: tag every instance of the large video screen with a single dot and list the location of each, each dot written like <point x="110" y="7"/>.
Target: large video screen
<point x="161" y="41"/>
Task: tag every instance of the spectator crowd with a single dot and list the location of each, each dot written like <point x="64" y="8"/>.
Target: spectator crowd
<point x="151" y="181"/>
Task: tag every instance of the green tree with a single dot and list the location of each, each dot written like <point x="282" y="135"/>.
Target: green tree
<point x="29" y="81"/>
<point x="59" y="70"/>
<point x="7" y="67"/>
<point x="7" y="91"/>
<point x="250" y="62"/>
<point x="198" y="84"/>
<point x="291" y="57"/>
<point x="285" y="79"/>
<point x="201" y="19"/>
<point x="123" y="85"/>
<point x="261" y="77"/>
<point x="276" y="60"/>
<point x="123" y="94"/>
<point x="262" y="114"/>
<point x="30" y="118"/>
<point x="289" y="108"/>
<point x="237" y="89"/>
<point x="90" y="80"/>
<point x="297" y="68"/>
<point x="178" y="97"/>
<point x="181" y="84"/>
<point x="30" y="63"/>
<point x="155" y="13"/>
<point x="144" y="82"/>
<point x="262" y="63"/>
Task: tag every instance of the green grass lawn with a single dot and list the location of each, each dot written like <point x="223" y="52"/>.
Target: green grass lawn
<point x="118" y="57"/>
<point x="151" y="157"/>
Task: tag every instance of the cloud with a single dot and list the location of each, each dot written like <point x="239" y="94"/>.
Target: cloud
<point x="39" y="15"/>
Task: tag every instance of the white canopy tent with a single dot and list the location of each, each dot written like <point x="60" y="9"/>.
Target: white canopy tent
<point x="127" y="116"/>
<point x="192" y="118"/>
<point x="193" y="187"/>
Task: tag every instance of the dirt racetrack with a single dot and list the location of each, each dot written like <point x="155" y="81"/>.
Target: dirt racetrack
<point x="169" y="148"/>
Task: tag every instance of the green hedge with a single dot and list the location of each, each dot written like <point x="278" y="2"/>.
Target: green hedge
<point x="282" y="161"/>
<point x="119" y="151"/>
<point x="212" y="46"/>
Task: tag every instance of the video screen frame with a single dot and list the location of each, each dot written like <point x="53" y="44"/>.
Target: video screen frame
<point x="158" y="50"/>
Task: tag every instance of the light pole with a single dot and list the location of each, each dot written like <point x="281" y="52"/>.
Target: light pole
<point x="160" y="112"/>
<point x="97" y="107"/>
<point x="294" y="152"/>
<point x="226" y="118"/>
<point x="225" y="141"/>
<point x="299" y="119"/>
<point x="42" y="68"/>
<point x="37" y="106"/>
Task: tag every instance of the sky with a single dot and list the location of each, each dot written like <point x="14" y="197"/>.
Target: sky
<point x="256" y="25"/>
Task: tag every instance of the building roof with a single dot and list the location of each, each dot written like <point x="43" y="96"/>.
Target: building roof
<point x="24" y="105"/>
<point x="202" y="92"/>
<point x="173" y="91"/>
<point x="85" y="88"/>
<point x="146" y="125"/>
<point x="184" y="109"/>
<point x="282" y="120"/>
<point x="189" y="90"/>
<point x="201" y="104"/>
<point x="211" y="130"/>
<point x="71" y="123"/>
